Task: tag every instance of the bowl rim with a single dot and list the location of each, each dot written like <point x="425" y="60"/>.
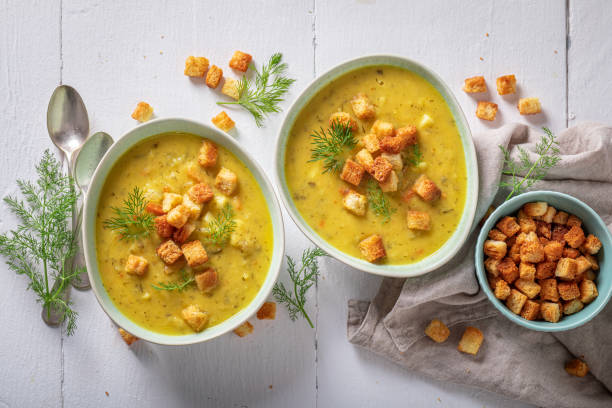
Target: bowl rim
<point x="425" y="265"/>
<point x="123" y="145"/>
<point x="481" y="274"/>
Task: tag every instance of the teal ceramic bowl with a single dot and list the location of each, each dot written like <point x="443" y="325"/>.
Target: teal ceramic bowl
<point x="132" y="138"/>
<point x="453" y="244"/>
<point x="591" y="222"/>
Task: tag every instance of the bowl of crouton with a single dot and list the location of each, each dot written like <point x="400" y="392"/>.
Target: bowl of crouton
<point x="542" y="260"/>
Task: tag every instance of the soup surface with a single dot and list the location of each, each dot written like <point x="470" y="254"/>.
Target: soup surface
<point x="402" y="98"/>
<point x="168" y="163"/>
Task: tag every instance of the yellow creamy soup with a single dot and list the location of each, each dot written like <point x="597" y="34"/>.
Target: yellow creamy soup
<point x="168" y="163"/>
<point x="401" y="98"/>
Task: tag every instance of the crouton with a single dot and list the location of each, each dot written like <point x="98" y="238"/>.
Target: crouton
<point x="497" y="235"/>
<point x="553" y="251"/>
<point x="200" y="193"/>
<point x="352" y="172"/>
<point x="136" y="265"/>
<point x="590" y="275"/>
<point x="527" y="271"/>
<point x="155" y="209"/>
<point x="531" y="310"/>
<point x="418" y="220"/>
<point x="545" y="270"/>
<point x="560" y="217"/>
<point x="574" y="237"/>
<point x="226" y="181"/>
<point x="502" y="290"/>
<point x="343" y="119"/>
<point x="437" y="331"/>
<point x="491" y="265"/>
<point x="163" y="229"/>
<point x="142" y="112"/>
<point x="230" y="88"/>
<point x="371" y="143"/>
<point x="364" y="157"/>
<point x="566" y="269"/>
<point x="508" y="270"/>
<point x="170" y="200"/>
<point x="593" y="261"/>
<point x="196" y="66"/>
<point x="493" y="281"/>
<point x="267" y="311"/>
<point x="390" y="184"/>
<point x="240" y="61"/>
<point x="362" y="108"/>
<point x="475" y="84"/>
<point x="549" y="215"/>
<point x="506" y="84"/>
<point x="244" y="329"/>
<point x="588" y="291"/>
<point x="195" y="254"/>
<point x="521" y="237"/>
<point x="535" y="209"/>
<point x="392" y="144"/>
<point x="529" y="106"/>
<point x="208" y="154"/>
<point x="543" y="230"/>
<point x="383" y="129"/>
<point x="592" y="244"/>
<point x="573" y="221"/>
<point x="577" y="368"/>
<point x="207" y="280"/>
<point x="558" y="232"/>
<point x="408" y="135"/>
<point x="495" y="249"/>
<point x="395" y="159"/>
<point x="582" y="265"/>
<point x="355" y="202"/>
<point x="426" y="189"/>
<point x="470" y="341"/>
<point x="514" y="253"/>
<point x="572" y="306"/>
<point x="372" y="248"/>
<point x="570" y="253"/>
<point x="169" y="252"/>
<point x="544" y="241"/>
<point x="178" y="216"/>
<point x="508" y="226"/>
<point x="195" y="317"/>
<point x="568" y="290"/>
<point x="486" y="110"/>
<point x="213" y="77"/>
<point x="551" y="312"/>
<point x="194" y="209"/>
<point x="528" y="287"/>
<point x="381" y="169"/>
<point x="223" y="122"/>
<point x="127" y="337"/>
<point x="181" y="235"/>
<point x="532" y="252"/>
<point x="549" y="290"/>
<point x="527" y="225"/>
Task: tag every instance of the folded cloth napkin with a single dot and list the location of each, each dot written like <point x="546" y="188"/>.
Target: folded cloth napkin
<point x="519" y="363"/>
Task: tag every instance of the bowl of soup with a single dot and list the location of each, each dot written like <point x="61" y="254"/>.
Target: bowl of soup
<point x="182" y="232"/>
<point x="376" y="165"/>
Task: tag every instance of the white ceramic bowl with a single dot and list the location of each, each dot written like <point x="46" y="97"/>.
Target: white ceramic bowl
<point x="133" y="137"/>
<point x="454" y="243"/>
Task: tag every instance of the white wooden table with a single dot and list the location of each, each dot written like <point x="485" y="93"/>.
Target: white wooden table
<point x="118" y="53"/>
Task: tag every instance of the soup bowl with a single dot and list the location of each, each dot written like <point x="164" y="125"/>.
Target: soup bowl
<point x="123" y="145"/>
<point x="449" y="248"/>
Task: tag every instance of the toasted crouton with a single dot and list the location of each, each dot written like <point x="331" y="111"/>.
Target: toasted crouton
<point x="437" y="331"/>
<point x="408" y="135"/>
<point x="395" y="160"/>
<point x="528" y="287"/>
<point x="532" y="252"/>
<point x="549" y="290"/>
<point x="200" y="193"/>
<point x="508" y="270"/>
<point x="514" y="253"/>
<point x="170" y="200"/>
<point x="495" y="249"/>
<point x="213" y="77"/>
<point x="545" y="270"/>
<point x="543" y="230"/>
<point x="182" y="234"/>
<point x="371" y="143"/>
<point x="470" y="341"/>
<point x="267" y="311"/>
<point x="142" y="112"/>
<point x="502" y="290"/>
<point x="560" y="217"/>
<point x="195" y="254"/>
<point x="527" y="225"/>
<point x="582" y="265"/>
<point x="573" y="306"/>
<point x="486" y="110"/>
<point x="515" y="301"/>
<point x="226" y="181"/>
<point x="381" y="169"/>
<point x="574" y="237"/>
<point x="223" y="122"/>
<point x="244" y="329"/>
<point x="497" y="235"/>
<point x="362" y="108"/>
<point x="553" y="251"/>
<point x="390" y="184"/>
<point x="535" y="209"/>
<point x="418" y="220"/>
<point x="593" y="261"/>
<point x="508" y="226"/>
<point x="570" y="253"/>
<point x="196" y="66"/>
<point x="364" y="157"/>
<point x="492" y="280"/>
<point x="475" y="84"/>
<point x="207" y="280"/>
<point x="531" y="310"/>
<point x="549" y="215"/>
<point x="179" y="215"/>
<point x="195" y="317"/>
<point x="372" y="248"/>
<point x="163" y="229"/>
<point x="426" y="189"/>
<point x="588" y="291"/>
<point x="136" y="265"/>
<point x="566" y="269"/>
<point x="355" y="202"/>
<point x="577" y="368"/>
<point x="352" y="172"/>
<point x="527" y="271"/>
<point x="127" y="337"/>
<point x="491" y="265"/>
<point x="592" y="244"/>
<point x="240" y="61"/>
<point x="194" y="208"/>
<point x="506" y="84"/>
<point x="551" y="312"/>
<point x="558" y="232"/>
<point x="155" y="209"/>
<point x="169" y="252"/>
<point x="392" y="144"/>
<point x="208" y="154"/>
<point x="573" y="221"/>
<point x="343" y="119"/>
<point x="383" y="129"/>
<point x="529" y="106"/>
<point x="230" y="88"/>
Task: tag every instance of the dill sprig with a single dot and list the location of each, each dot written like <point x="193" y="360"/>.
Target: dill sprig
<point x="177" y="285"/>
<point x="43" y="244"/>
<point x="131" y="221"/>
<point x="378" y="201"/>
<point x="526" y="173"/>
<point x="416" y="157"/>
<point x="328" y="145"/>
<point x="221" y="227"/>
<point x="302" y="278"/>
<point x="260" y="97"/>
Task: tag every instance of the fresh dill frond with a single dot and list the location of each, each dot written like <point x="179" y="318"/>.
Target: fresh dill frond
<point x="131" y="221"/>
<point x="379" y="202"/>
<point x="260" y="97"/>
<point x="416" y="157"/>
<point x="43" y="244"/>
<point x="302" y="278"/>
<point x="526" y="173"/>
<point x="221" y="227"/>
<point x="177" y="285"/>
<point x="328" y="145"/>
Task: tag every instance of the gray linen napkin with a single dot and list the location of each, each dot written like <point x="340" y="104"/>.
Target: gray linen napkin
<point x="519" y="363"/>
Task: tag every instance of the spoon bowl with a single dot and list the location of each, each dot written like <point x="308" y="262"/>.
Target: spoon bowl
<point x="89" y="156"/>
<point x="67" y="120"/>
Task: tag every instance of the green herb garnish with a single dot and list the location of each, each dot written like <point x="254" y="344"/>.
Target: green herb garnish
<point x="302" y="279"/>
<point x="131" y="221"/>
<point x="260" y="97"/>
<point x="416" y="157"/>
<point x="378" y="201"/>
<point x="221" y="227"/>
<point x="548" y="153"/>
<point x="43" y="244"/>
<point x="177" y="285"/>
<point x="328" y="145"/>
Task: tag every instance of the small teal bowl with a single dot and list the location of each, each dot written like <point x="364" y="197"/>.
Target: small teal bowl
<point x="592" y="223"/>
